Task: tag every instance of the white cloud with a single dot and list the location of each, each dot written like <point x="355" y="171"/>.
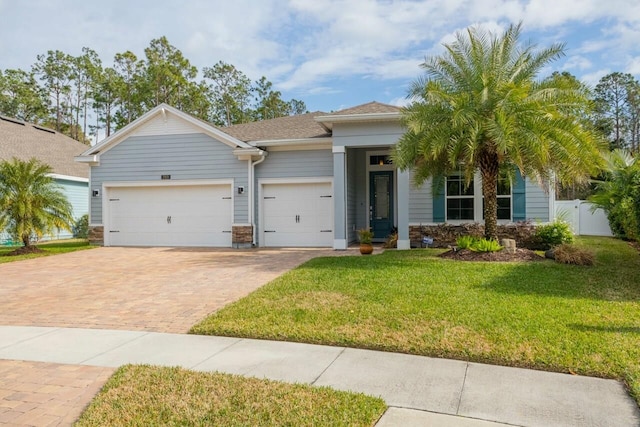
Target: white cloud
<point x="593" y="78"/>
<point x="319" y="47"/>
<point x="633" y="65"/>
<point x="577" y="62"/>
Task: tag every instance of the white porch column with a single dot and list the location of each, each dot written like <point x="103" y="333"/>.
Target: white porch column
<point x="403" y="210"/>
<point x="339" y="198"/>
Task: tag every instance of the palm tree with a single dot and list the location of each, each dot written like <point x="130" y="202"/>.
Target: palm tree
<point x="31" y="203"/>
<point x="479" y="109"/>
<point x="619" y="194"/>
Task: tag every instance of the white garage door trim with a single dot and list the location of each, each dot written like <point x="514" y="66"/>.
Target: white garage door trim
<point x="309" y="180"/>
<point x="107" y="186"/>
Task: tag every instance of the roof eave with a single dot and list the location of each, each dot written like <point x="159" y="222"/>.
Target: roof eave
<point x="368" y="117"/>
<point x="89" y="159"/>
<point x="252" y="153"/>
<point x="291" y="141"/>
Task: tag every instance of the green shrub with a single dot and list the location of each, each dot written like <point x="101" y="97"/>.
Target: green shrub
<point x="571" y="254"/>
<point x="484" y="245"/>
<point x="465" y="242"/>
<point x="554" y="234"/>
<point x="81" y="227"/>
<point x="619" y="194"/>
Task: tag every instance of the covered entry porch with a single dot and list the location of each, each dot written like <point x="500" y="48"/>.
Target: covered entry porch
<point x="369" y="192"/>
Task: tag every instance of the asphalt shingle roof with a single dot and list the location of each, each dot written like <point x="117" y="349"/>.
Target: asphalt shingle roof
<point x="25" y="140"/>
<point x="368" y="108"/>
<point x="301" y="126"/>
<point x="289" y="127"/>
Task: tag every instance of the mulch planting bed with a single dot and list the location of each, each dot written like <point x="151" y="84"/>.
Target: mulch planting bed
<point x="469" y="255"/>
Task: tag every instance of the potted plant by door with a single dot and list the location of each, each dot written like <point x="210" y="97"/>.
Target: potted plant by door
<point x="366" y="236"/>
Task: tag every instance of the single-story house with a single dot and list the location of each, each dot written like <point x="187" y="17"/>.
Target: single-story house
<point x="168" y="179"/>
<point x="24" y="141"/>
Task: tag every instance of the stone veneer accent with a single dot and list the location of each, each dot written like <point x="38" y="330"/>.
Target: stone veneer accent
<point x="96" y="235"/>
<point x="446" y="234"/>
<point x="242" y="236"/>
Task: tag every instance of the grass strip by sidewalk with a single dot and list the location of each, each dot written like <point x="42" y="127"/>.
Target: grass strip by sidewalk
<point x="540" y="315"/>
<point x="142" y="395"/>
<point x="49" y="248"/>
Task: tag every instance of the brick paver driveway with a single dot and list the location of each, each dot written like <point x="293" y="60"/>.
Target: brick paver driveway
<point x="151" y="289"/>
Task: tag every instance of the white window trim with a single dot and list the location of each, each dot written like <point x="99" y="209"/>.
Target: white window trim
<point x="477" y="203"/>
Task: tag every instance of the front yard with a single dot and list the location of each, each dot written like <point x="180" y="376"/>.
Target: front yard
<point x="149" y="396"/>
<point x="48" y="248"/>
<point x="541" y="315"/>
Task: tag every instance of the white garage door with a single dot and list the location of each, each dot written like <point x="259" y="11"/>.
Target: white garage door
<point x="297" y="215"/>
<point x="195" y="215"/>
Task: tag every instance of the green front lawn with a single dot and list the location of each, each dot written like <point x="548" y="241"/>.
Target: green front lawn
<point x="49" y="248"/>
<point x="153" y="396"/>
<point x="541" y="315"/>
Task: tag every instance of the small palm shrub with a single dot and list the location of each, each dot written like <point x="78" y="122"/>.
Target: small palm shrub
<point x="571" y="254"/>
<point x="81" y="227"/>
<point x="465" y="242"/>
<point x="486" y="245"/>
<point x="478" y="245"/>
<point x="554" y="234"/>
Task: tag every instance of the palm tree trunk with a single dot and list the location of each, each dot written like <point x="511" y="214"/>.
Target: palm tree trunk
<point x="489" y="173"/>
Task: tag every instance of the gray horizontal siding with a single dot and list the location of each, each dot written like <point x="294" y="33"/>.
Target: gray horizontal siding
<point x="296" y="164"/>
<point x="184" y="157"/>
<point x="537" y="202"/>
<point x="366" y="134"/>
<point x="420" y="202"/>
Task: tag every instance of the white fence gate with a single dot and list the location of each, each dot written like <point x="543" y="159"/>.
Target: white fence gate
<point x="583" y="221"/>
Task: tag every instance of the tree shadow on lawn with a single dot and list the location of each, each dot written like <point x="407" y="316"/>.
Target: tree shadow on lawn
<point x="603" y="281"/>
<point x="567" y="281"/>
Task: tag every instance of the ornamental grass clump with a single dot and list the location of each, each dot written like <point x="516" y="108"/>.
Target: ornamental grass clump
<point x="571" y="254"/>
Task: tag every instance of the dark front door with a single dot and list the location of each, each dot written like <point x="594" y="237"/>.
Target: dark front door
<point x="381" y="203"/>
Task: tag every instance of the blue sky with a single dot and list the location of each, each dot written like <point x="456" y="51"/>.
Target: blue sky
<point x="331" y="54"/>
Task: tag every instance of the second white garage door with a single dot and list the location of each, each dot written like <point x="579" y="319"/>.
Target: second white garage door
<point x="193" y="215"/>
<point x="297" y="215"/>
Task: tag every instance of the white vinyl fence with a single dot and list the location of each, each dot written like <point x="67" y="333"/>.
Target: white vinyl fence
<point x="583" y="221"/>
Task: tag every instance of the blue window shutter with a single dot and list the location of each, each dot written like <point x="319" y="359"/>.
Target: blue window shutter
<point x="439" y="203"/>
<point x="518" y="198"/>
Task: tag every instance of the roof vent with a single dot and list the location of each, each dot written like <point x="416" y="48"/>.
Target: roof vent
<point x="16" y="121"/>
<point x="44" y="129"/>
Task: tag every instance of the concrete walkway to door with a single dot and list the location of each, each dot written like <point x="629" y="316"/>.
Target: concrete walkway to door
<point x="141" y="289"/>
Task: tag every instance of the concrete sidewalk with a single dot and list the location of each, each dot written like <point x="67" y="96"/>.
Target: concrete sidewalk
<point x="419" y="390"/>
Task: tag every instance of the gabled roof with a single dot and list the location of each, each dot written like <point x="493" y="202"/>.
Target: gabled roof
<point x="302" y="126"/>
<point x="24" y="141"/>
<point x="93" y="153"/>
<point x="368" y="108"/>
<point x="370" y="112"/>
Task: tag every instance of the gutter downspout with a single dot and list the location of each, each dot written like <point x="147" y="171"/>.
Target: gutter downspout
<point x="252" y="198"/>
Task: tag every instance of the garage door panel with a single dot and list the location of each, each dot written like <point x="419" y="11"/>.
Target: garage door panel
<point x="297" y="215"/>
<point x="198" y="215"/>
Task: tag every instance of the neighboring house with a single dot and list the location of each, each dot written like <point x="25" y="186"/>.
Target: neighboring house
<point x="168" y="179"/>
<point x="24" y="141"/>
